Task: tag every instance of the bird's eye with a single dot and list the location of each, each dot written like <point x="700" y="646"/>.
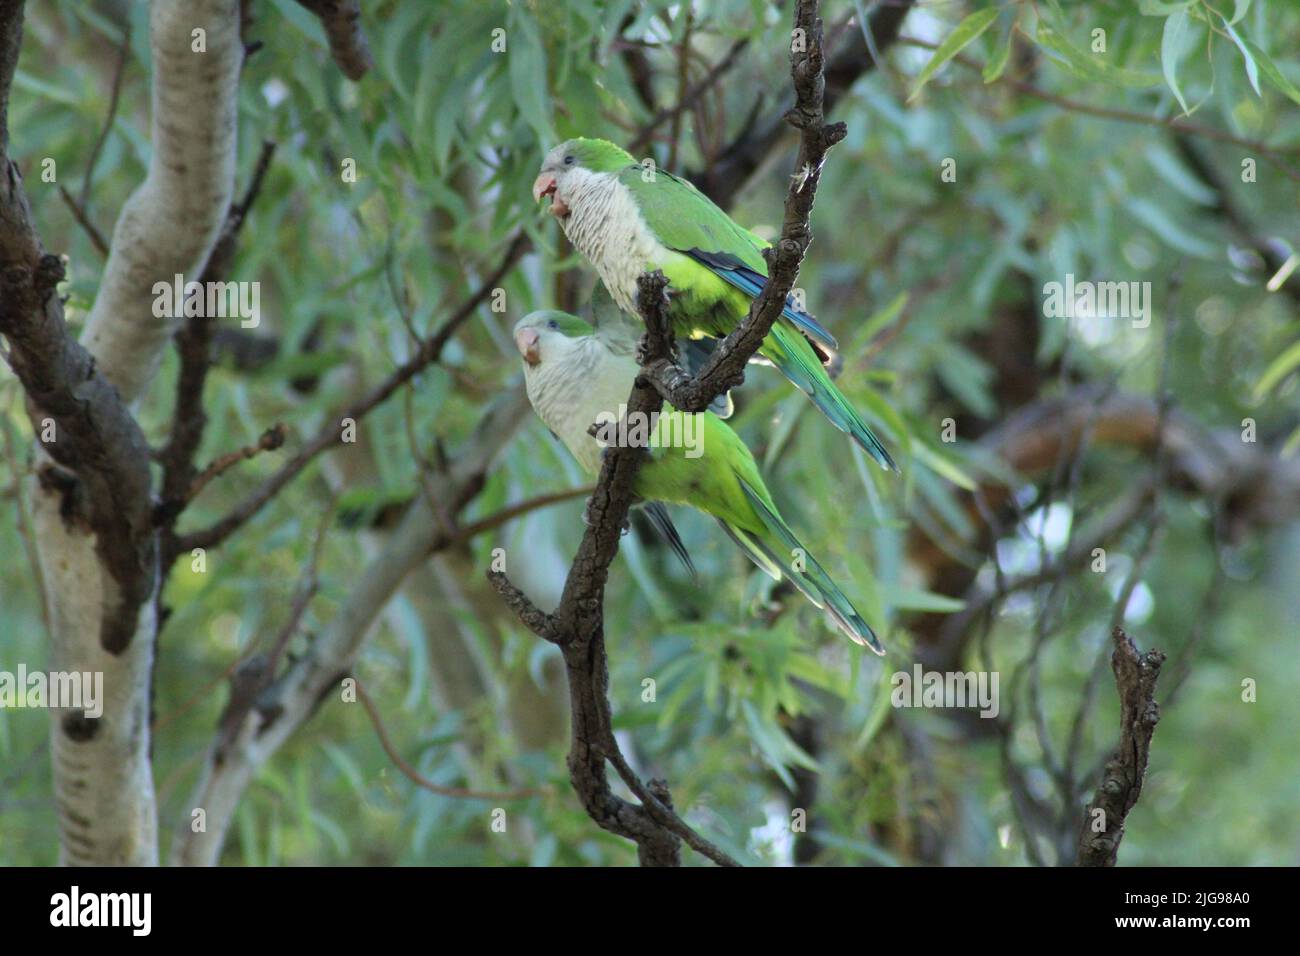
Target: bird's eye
<point x="568" y="160"/>
<point x="553" y="325"/>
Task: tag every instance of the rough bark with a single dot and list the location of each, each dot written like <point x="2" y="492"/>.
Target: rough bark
<point x="1121" y="785"/>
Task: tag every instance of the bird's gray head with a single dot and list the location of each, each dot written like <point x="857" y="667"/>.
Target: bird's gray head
<point x="579" y="156"/>
<point x="548" y="335"/>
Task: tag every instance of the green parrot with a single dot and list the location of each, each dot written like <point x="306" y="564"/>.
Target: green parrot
<point x="578" y="376"/>
<point x="628" y="219"/>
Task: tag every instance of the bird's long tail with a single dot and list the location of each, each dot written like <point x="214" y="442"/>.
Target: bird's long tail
<point x="788" y="350"/>
<point x="778" y="552"/>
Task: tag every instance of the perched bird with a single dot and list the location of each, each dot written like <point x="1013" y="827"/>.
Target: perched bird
<point x="628" y="219"/>
<point x="578" y="376"/>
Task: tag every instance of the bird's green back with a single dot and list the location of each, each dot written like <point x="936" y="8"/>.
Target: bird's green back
<point x="683" y="218"/>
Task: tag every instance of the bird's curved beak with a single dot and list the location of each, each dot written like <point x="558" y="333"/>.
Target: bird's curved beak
<point x="526" y="340"/>
<point x="543" y="185"/>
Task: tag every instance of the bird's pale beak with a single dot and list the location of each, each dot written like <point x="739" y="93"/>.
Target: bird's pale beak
<point x="543" y="185"/>
<point x="526" y="340"/>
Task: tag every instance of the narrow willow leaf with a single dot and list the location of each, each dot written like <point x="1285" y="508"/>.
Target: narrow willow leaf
<point x="1252" y="69"/>
<point x="1277" y="370"/>
<point x="994" y="67"/>
<point x="954" y="43"/>
<point x="1270" y="70"/>
<point x="1173" y="45"/>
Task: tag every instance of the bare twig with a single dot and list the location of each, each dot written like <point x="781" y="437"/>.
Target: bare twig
<point x="342" y="22"/>
<point x="270" y="440"/>
<point x="123" y="54"/>
<point x="80" y="214"/>
<point x="420" y="780"/>
<point x="194" y="346"/>
<point x="1135" y="679"/>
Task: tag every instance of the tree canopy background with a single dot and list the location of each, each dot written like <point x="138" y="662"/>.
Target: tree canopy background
<point x="1165" y="149"/>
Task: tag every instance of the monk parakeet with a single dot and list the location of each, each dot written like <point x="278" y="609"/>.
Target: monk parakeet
<point x="578" y="376"/>
<point x="628" y="219"/>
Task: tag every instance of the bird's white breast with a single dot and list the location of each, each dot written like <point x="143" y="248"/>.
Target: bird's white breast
<point x="572" y="391"/>
<point x="605" y="225"/>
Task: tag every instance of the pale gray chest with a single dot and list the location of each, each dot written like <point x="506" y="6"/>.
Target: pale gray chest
<point x="606" y="226"/>
<point x="570" y="393"/>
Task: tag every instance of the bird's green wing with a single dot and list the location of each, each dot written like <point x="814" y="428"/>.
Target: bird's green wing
<point x="687" y="221"/>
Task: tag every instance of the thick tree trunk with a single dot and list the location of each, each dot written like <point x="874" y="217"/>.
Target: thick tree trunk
<point x="100" y="611"/>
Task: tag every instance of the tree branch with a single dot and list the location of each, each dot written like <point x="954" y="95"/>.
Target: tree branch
<point x="725" y="367"/>
<point x="330" y="434"/>
<point x="1135" y="678"/>
<point x="742" y="158"/>
<point x="577" y="624"/>
<point x="342" y="22"/>
<point x="170" y="223"/>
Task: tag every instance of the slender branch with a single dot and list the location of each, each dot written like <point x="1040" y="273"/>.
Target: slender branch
<point x="498" y="518"/>
<point x="342" y="22"/>
<point x="741" y="158"/>
<point x="119" y="71"/>
<point x="194" y="347"/>
<point x="331" y="434"/>
<point x="725" y="367"/>
<point x="421" y="781"/>
<point x="1121" y="785"/>
<point x="80" y="214"/>
<point x="270" y="440"/>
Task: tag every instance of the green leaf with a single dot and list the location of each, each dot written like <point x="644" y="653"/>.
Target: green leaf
<point x="942" y="466"/>
<point x="1173" y="47"/>
<point x="954" y="43"/>
<point x="918" y="599"/>
<point x="994" y="67"/>
<point x="1088" y="67"/>
<point x="1158" y="8"/>
<point x="1271" y="71"/>
<point x="1252" y="68"/>
<point x="1277" y="370"/>
<point x="878" y="321"/>
<point x="527" y="61"/>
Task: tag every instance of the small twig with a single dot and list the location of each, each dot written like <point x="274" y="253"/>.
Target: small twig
<point x="270" y="440"/>
<point x="83" y="219"/>
<point x="1121" y="785"/>
<point x="498" y="518"/>
<point x="342" y="22"/>
<point x="419" y="780"/>
<point x="194" y="347"/>
<point x="123" y="54"/>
